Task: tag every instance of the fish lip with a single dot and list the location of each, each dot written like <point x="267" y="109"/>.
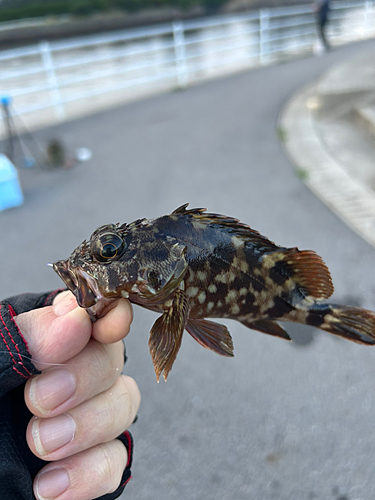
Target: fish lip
<point x="100" y="305"/>
<point x="80" y="283"/>
<point x="85" y="289"/>
<point x="62" y="268"/>
<point x="100" y="309"/>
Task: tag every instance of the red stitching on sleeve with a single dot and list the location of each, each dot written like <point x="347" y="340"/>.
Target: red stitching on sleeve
<point x="19" y="373"/>
<point x="129" y="450"/>
<point x="11" y="355"/>
<point x="129" y="447"/>
<point x="126" y="482"/>
<point x="12" y="314"/>
<point x="15" y="345"/>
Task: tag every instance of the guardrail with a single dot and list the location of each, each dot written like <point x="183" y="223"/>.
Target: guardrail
<point x="51" y="76"/>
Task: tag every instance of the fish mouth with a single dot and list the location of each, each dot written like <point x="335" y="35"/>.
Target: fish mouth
<point x="84" y="288"/>
<point x="78" y="283"/>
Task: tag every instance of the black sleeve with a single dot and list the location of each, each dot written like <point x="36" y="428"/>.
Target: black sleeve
<point x="18" y="465"/>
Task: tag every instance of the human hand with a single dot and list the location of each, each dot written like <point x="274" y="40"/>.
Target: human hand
<point x="81" y="402"/>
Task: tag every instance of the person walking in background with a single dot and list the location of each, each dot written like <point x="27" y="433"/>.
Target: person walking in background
<point x="322" y="8"/>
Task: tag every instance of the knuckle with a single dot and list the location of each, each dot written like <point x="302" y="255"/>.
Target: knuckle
<point x="117" y="350"/>
<point x="134" y="392"/>
<point x="101" y="358"/>
<point x="117" y="409"/>
<point x="107" y="470"/>
<point x="126" y="397"/>
<point x="106" y="363"/>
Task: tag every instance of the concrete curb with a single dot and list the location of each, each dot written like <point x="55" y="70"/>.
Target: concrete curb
<point x="346" y="196"/>
<point x="366" y="117"/>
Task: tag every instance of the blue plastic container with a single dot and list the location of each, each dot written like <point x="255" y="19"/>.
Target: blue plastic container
<point x="10" y="189"/>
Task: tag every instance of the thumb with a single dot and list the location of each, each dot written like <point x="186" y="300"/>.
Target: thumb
<point x="55" y="334"/>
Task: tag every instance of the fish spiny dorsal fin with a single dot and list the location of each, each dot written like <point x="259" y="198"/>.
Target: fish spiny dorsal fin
<point x="307" y="269"/>
<point x="182" y="210"/>
<point x="229" y="224"/>
<point x="125" y="228"/>
<point x="84" y="247"/>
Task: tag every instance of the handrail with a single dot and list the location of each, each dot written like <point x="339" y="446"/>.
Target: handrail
<point x="166" y="52"/>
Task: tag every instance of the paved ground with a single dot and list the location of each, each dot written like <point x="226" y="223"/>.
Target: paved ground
<point x="285" y="421"/>
<point x="328" y="129"/>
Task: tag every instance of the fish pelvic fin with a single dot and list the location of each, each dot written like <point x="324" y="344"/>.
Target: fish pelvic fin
<point x="306" y="269"/>
<point x="351" y="323"/>
<point x="267" y="326"/>
<point x="166" y="333"/>
<point x="211" y="335"/>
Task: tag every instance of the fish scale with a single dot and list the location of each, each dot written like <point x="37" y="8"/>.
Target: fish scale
<point x="191" y="265"/>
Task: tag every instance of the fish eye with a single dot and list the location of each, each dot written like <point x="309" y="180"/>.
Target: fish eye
<point x="107" y="247"/>
<point x="108" y="251"/>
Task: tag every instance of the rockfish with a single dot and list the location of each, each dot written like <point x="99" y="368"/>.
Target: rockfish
<point x="191" y="265"/>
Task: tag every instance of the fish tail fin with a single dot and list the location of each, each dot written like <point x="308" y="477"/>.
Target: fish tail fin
<point x="351" y="323"/>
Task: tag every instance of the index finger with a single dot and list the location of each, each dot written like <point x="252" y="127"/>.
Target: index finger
<point x="115" y="325"/>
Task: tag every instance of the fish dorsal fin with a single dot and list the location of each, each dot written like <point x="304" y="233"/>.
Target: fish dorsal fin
<point x="192" y="211"/>
<point x="124" y="228"/>
<point x="307" y="269"/>
<point x="231" y="225"/>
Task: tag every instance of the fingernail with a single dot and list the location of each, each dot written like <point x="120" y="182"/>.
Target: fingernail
<point x="65" y="305"/>
<point x="51" y="389"/>
<point x="51" y="484"/>
<point x="52" y="434"/>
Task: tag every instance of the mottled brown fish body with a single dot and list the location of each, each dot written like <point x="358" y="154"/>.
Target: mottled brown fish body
<point x="190" y="265"/>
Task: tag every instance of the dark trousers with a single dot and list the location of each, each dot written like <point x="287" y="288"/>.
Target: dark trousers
<point x="322" y="23"/>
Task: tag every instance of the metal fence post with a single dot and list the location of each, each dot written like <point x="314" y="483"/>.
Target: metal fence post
<point x="9" y="151"/>
<point x="53" y="83"/>
<point x="264" y="23"/>
<point x="180" y="54"/>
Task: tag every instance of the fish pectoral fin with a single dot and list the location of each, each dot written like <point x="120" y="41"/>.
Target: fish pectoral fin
<point x="211" y="336"/>
<point x="166" y="333"/>
<point x="267" y="326"/>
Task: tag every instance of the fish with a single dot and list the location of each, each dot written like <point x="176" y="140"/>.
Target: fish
<point x="192" y="265"/>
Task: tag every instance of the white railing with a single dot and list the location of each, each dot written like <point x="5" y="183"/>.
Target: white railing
<point x="94" y="71"/>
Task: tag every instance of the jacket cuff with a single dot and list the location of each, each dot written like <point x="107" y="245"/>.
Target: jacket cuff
<point x="127" y="439"/>
<point x="15" y="360"/>
<point x="27" y="301"/>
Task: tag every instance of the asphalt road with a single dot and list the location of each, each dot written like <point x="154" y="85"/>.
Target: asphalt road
<point x="285" y="421"/>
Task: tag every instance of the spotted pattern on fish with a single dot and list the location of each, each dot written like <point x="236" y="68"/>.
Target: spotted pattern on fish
<point x="191" y="265"/>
